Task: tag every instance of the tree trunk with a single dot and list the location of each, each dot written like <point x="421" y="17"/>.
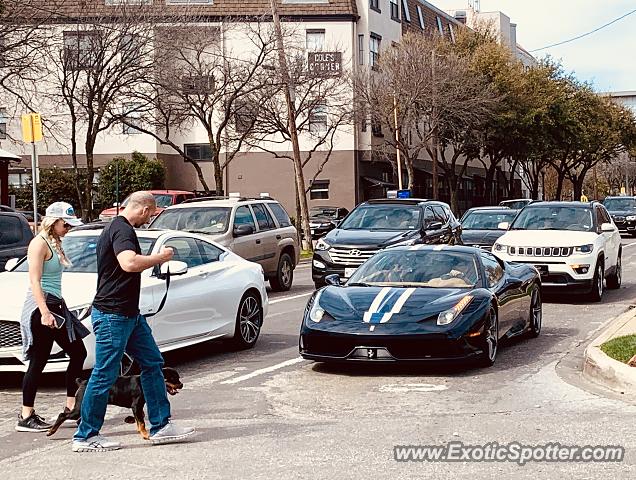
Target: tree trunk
<point x="218" y="174"/>
<point x="559" y="188"/>
<point x="197" y="167"/>
<point x="87" y="212"/>
<point x="454" y="197"/>
<point x="410" y="172"/>
<point x="489" y="182"/>
<point x="577" y="186"/>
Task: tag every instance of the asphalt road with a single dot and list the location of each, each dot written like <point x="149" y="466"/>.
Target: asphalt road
<point x="267" y="414"/>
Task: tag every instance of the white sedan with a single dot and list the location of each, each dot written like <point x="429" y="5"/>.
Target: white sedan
<point x="219" y="294"/>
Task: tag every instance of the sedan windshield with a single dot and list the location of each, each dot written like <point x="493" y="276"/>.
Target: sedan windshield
<point x="618" y="204"/>
<point x="383" y="217"/>
<point x="418" y="268"/>
<point x="554" y="218"/>
<point x="81" y="251"/>
<point x="484" y="220"/>
<point x="196" y="219"/>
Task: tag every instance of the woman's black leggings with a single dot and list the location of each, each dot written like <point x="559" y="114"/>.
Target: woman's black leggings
<point x="43" y="338"/>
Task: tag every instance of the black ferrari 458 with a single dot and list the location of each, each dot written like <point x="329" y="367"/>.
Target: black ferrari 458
<point x="421" y="303"/>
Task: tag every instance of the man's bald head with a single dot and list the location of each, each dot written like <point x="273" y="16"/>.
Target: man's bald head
<point x="140" y="208"/>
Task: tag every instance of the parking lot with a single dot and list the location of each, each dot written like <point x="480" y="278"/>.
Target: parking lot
<point x="266" y="412"/>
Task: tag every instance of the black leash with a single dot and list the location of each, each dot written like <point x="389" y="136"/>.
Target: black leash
<point x="165" y="295"/>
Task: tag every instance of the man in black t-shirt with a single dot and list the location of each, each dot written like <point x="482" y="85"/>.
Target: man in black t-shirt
<point x="119" y="328"/>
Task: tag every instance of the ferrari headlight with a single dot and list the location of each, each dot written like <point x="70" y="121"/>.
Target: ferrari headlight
<point x="630" y="218"/>
<point x="316" y="312"/>
<point x="322" y="245"/>
<point x="499" y="248"/>
<point x="584" y="248"/>
<point x="82" y="313"/>
<point x="448" y="316"/>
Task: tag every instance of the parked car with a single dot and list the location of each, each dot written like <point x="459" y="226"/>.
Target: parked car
<point x="480" y="225"/>
<point x="324" y="219"/>
<point x="623" y="212"/>
<point x="15" y="236"/>
<point x="213" y="294"/>
<point x="516" y="204"/>
<point x="257" y="229"/>
<point x="6" y="208"/>
<point x="422" y="303"/>
<point x="574" y="245"/>
<point x="377" y="224"/>
<point x="164" y="199"/>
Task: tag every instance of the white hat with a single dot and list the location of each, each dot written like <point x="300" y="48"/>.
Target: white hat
<point x="64" y="211"/>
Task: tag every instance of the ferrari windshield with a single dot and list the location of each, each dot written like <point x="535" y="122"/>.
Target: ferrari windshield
<point x="199" y="219"/>
<point x="81" y="251"/>
<point x="418" y="268"/>
<point x="485" y="220"/>
<point x="554" y="218"/>
<point x="383" y="217"/>
<point x="618" y="204"/>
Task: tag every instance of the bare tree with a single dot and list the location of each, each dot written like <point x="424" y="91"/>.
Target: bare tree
<point x="201" y="81"/>
<point x="97" y="64"/>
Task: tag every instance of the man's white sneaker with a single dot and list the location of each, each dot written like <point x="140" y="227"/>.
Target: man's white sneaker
<point x="171" y="434"/>
<point x="97" y="443"/>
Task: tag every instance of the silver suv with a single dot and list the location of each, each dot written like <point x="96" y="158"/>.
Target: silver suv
<point x="257" y="229"/>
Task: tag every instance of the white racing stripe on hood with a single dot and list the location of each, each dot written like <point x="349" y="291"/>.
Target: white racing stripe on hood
<point x="376" y="303"/>
<point x="397" y="308"/>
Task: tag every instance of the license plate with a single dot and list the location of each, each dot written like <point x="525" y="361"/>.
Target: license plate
<point x="543" y="269"/>
<point x="313" y="232"/>
<point x="349" y="272"/>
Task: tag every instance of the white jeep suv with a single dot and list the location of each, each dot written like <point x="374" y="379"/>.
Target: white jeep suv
<point x="575" y="246"/>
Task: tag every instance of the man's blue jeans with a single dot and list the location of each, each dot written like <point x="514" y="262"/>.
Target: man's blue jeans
<point x="114" y="335"/>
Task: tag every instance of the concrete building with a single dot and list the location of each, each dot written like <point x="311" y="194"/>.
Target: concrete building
<point x="356" y="29"/>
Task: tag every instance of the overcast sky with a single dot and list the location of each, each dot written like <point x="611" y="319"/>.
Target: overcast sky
<point x="607" y="57"/>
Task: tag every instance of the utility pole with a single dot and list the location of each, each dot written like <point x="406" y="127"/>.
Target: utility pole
<point x="434" y="133"/>
<point x="293" y="132"/>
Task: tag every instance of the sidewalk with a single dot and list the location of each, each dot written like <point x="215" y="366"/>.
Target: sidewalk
<point x="604" y="370"/>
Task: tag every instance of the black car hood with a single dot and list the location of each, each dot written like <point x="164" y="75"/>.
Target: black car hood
<point x="368" y="238"/>
<point x="621" y="213"/>
<point x="353" y="304"/>
<point x="481" y="237"/>
<point x="319" y="219"/>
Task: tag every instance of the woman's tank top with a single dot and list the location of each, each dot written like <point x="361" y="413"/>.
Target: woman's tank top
<point x="52" y="273"/>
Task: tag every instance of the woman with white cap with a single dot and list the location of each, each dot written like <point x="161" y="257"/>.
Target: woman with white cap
<point x="45" y="317"/>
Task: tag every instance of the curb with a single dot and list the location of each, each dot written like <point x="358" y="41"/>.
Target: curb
<point x="604" y="370"/>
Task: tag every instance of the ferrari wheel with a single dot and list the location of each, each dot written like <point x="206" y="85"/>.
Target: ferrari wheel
<point x="536" y="313"/>
<point x="490" y="339"/>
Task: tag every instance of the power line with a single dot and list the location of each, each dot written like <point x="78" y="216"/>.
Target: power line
<point x="585" y="34"/>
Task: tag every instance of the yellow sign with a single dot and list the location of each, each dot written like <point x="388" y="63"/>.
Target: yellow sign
<point x="584" y="198"/>
<point x="31" y="127"/>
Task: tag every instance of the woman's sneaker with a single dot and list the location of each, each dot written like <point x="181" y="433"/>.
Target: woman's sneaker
<point x="97" y="443"/>
<point x="33" y="423"/>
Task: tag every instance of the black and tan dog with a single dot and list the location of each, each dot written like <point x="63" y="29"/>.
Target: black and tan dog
<point x="127" y="393"/>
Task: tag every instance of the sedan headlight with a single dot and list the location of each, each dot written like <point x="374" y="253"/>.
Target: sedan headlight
<point x="448" y="316"/>
<point x="321" y="245"/>
<point x="584" y="248"/>
<point x="82" y="313"/>
<point x="630" y="218"/>
<point x="500" y="248"/>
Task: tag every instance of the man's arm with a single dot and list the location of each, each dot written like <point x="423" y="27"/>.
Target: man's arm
<point x="129" y="261"/>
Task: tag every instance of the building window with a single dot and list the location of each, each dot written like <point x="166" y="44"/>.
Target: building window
<point x="197" y="84"/>
<point x="3" y="123"/>
<point x="199" y="152"/>
<point x="420" y="16"/>
<point x="315" y="40"/>
<point x="81" y="49"/>
<point x="132" y="113"/>
<point x="374" y="49"/>
<point x="395" y="10"/>
<point x="440" y="27"/>
<point x="127" y="2"/>
<point x="451" y="32"/>
<point x="375" y="5"/>
<point x="405" y="11"/>
<point x="376" y="127"/>
<point x="318" y="118"/>
<point x="319" y="190"/>
<point x="361" y="49"/>
<point x="189" y="2"/>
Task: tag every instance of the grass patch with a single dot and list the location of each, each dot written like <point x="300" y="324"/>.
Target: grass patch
<point x="306" y="254"/>
<point x="621" y="348"/>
